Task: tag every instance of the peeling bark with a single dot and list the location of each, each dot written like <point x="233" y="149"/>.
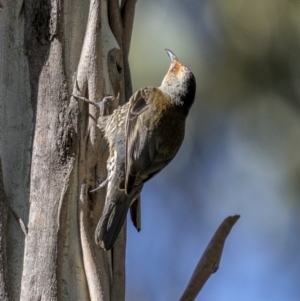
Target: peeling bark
<point x="61" y="151"/>
<point x="51" y="163"/>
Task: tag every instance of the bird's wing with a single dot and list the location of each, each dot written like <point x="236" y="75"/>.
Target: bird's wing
<point x="145" y="156"/>
<point x="137" y="106"/>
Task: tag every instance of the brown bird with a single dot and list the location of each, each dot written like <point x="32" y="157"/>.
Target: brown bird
<point x="143" y="135"/>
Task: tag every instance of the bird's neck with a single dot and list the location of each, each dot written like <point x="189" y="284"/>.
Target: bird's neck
<point x="179" y="97"/>
<point x="173" y="92"/>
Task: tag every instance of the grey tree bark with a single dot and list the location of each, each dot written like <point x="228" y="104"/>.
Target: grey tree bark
<point x="51" y="151"/>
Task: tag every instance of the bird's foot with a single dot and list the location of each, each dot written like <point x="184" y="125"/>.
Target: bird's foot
<point x="102" y="105"/>
<point x="106" y="103"/>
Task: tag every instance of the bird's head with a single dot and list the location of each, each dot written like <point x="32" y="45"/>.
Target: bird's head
<point x="179" y="82"/>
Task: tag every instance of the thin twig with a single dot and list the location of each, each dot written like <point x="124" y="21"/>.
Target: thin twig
<point x="209" y="261"/>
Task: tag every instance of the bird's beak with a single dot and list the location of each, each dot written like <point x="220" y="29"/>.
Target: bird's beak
<point x="172" y="56"/>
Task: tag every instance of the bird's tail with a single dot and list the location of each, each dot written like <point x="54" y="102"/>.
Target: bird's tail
<point x="111" y="222"/>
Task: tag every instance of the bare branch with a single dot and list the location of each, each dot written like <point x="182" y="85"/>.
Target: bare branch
<point x="209" y="262"/>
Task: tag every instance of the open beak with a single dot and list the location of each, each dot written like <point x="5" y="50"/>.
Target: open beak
<point x="172" y="56"/>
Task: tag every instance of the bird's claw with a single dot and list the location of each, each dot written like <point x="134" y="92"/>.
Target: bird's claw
<point x="105" y="103"/>
<point x="102" y="105"/>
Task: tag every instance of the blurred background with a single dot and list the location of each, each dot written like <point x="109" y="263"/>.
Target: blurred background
<point x="240" y="154"/>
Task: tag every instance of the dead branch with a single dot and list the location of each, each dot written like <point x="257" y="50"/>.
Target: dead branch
<point x="209" y="261"/>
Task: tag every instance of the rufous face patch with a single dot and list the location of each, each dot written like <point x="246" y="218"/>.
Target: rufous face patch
<point x="175" y="68"/>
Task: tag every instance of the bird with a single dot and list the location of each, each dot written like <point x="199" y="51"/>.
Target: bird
<point x="143" y="136"/>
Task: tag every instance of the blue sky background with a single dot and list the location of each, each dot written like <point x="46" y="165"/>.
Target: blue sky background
<point x="240" y="154"/>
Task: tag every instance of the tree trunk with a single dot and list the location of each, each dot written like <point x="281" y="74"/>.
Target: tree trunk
<point x="51" y="151"/>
